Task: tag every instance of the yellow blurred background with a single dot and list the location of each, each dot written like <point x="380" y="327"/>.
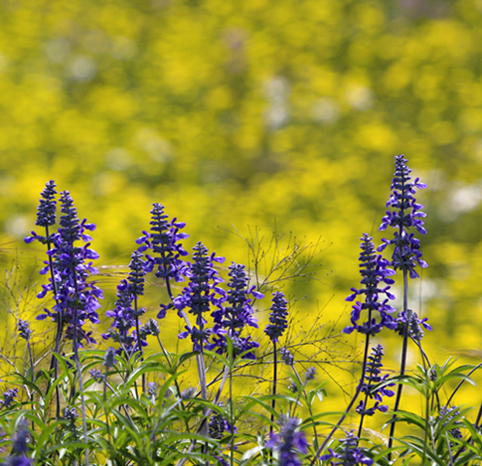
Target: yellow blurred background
<point x="244" y="115"/>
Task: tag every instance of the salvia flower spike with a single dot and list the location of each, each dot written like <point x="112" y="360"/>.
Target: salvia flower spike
<point x="163" y="240"/>
<point x="200" y="294"/>
<point x="289" y="442"/>
<point x="278" y="318"/>
<point x="236" y="313"/>
<point x="373" y="377"/>
<point x="349" y="455"/>
<point x="374" y="290"/>
<point x="404" y="214"/>
<point x="71" y="266"/>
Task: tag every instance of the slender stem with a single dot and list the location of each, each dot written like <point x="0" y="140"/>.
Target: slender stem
<point x="350" y="405"/>
<point x="310" y="407"/>
<point x="403" y="361"/>
<point x="231" y="412"/>
<point x="75" y="345"/>
<point x="54" y="363"/>
<point x="139" y="344"/>
<point x="275" y="380"/>
<point x="31" y="377"/>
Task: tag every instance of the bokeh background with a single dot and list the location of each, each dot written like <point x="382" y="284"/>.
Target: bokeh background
<point x="256" y="114"/>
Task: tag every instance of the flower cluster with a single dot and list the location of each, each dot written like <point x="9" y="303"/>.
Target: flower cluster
<point x="449" y="416"/>
<point x="163" y="240"/>
<point x="349" y="455"/>
<point x="8" y="397"/>
<point x="373" y="378"/>
<point x="235" y="313"/>
<point x="405" y="213"/>
<point x="24" y="329"/>
<point x="278" y="317"/>
<point x="76" y="299"/>
<point x="218" y="426"/>
<point x="375" y="290"/>
<point x="415" y="330"/>
<point x="200" y="294"/>
<point x="287" y="357"/>
<point x="289" y="442"/>
<point x="18" y="456"/>
<point x="126" y="312"/>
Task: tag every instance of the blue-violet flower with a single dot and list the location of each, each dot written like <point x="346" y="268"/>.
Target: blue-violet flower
<point x="405" y="213"/>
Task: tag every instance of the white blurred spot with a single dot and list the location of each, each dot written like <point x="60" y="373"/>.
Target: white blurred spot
<point x="325" y="110"/>
<point x="360" y="97"/>
<point x="83" y="68"/>
<point x="17" y="225"/>
<point x="464" y="198"/>
<point x="156" y="147"/>
<point x="118" y="158"/>
<point x="57" y="50"/>
<point x="277" y="112"/>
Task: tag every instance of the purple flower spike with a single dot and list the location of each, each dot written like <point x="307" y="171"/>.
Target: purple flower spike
<point x="415" y="324"/>
<point x="289" y="442"/>
<point x="9" y="396"/>
<point x="201" y="293"/>
<point x="405" y="213"/>
<point x="373" y="377"/>
<point x="278" y="317"/>
<point x="46" y="212"/>
<point x="18" y="456"/>
<point x="72" y="266"/>
<point x="235" y="314"/>
<point x="163" y="240"/>
<point x="375" y="290"/>
<point x="350" y="454"/>
<point x="24" y="329"/>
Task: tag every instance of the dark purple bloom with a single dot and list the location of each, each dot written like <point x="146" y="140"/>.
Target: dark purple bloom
<point x="70" y="414"/>
<point x="219" y="426"/>
<point x="375" y="290"/>
<point x="278" y="317"/>
<point x="289" y="442"/>
<point x="136" y="277"/>
<point x="405" y="213"/>
<point x="152" y="389"/>
<point x="123" y="327"/>
<point x="235" y="313"/>
<point x="24" y="329"/>
<point x="200" y="294"/>
<point x="109" y="358"/>
<point x="287" y="357"/>
<point x="8" y="397"/>
<point x="415" y="330"/>
<point x="372" y="378"/>
<point x="310" y="374"/>
<point x="74" y="295"/>
<point x="46" y="213"/>
<point x="126" y="312"/>
<point x="449" y="416"/>
<point x="97" y="375"/>
<point x="150" y="328"/>
<point x="18" y="456"/>
<point x="163" y="240"/>
<point x="349" y="455"/>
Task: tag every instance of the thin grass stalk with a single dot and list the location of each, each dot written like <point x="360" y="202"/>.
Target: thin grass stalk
<point x="75" y="345"/>
<point x="275" y="380"/>
<point x="402" y="363"/>
<point x="350" y="405"/>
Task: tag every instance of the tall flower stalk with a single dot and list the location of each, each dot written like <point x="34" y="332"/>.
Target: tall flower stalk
<point x="404" y="214"/>
<point x="76" y="299"/>
<point x="278" y="323"/>
<point x="374" y="310"/>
